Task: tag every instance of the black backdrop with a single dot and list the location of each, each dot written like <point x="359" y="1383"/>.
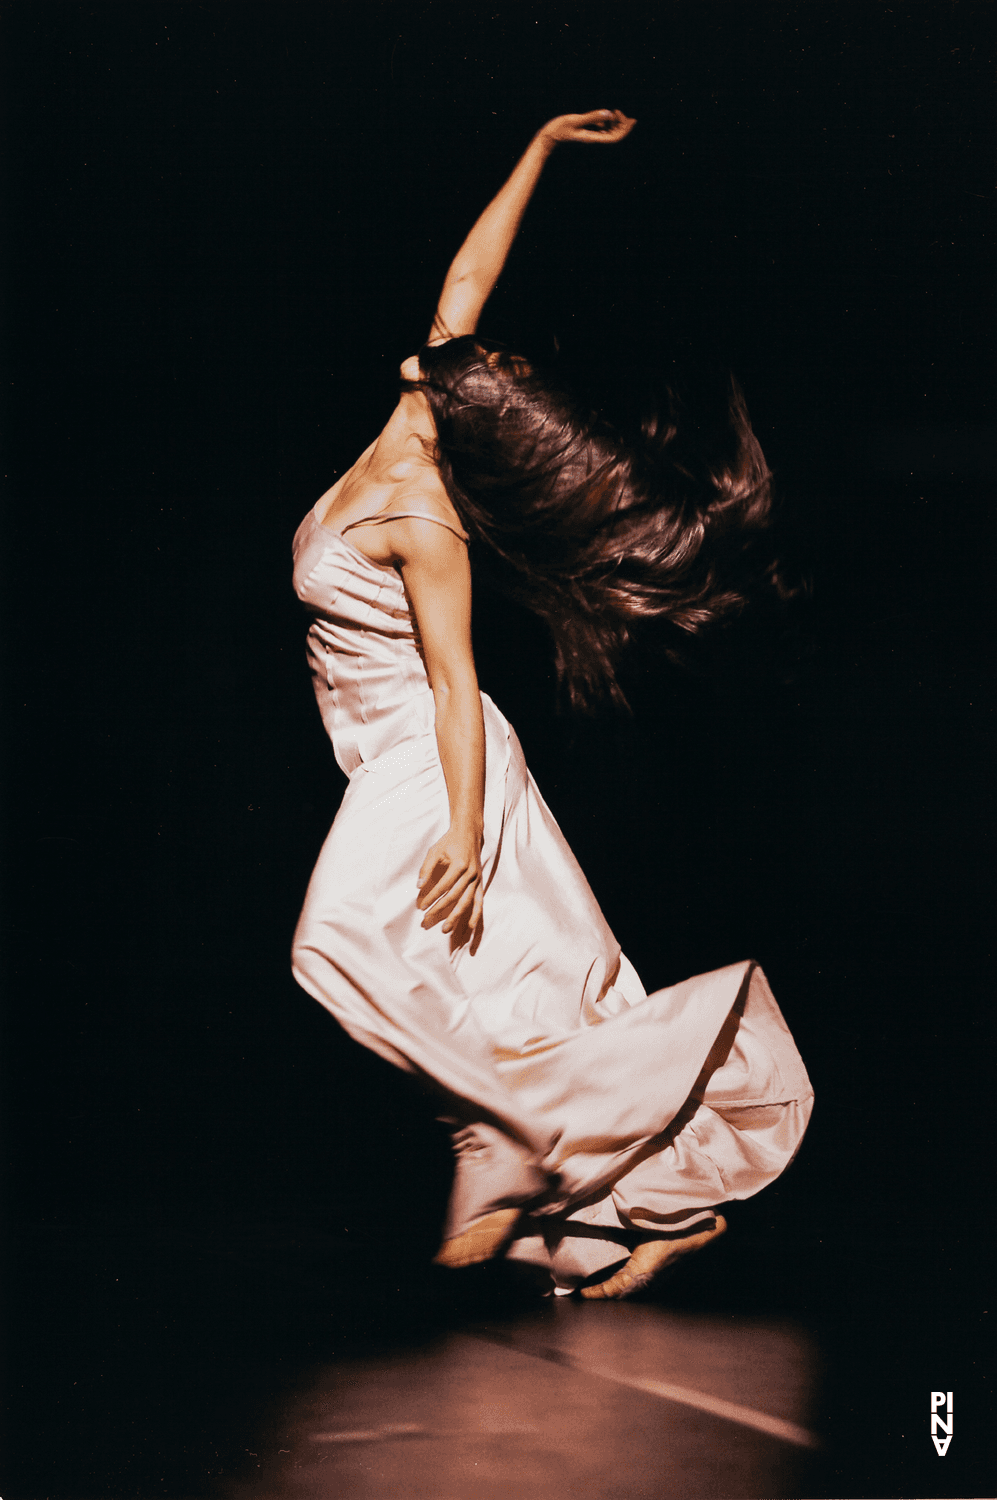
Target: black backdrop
<point x="228" y="224"/>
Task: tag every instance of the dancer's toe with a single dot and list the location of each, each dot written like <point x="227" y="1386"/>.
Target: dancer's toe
<point x="649" y="1259"/>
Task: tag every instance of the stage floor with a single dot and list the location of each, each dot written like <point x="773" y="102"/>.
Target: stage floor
<point x="571" y="1399"/>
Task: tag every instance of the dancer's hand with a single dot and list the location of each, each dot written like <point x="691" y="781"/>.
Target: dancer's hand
<point x="480" y="259"/>
<point x="602" y="125"/>
<point x="450" y="882"/>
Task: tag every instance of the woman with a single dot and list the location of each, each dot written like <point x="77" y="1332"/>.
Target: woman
<point x="447" y="925"/>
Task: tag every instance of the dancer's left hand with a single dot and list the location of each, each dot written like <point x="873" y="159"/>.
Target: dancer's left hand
<point x="450" y="884"/>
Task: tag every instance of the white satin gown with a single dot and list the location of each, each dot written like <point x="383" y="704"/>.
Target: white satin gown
<point x="605" y="1110"/>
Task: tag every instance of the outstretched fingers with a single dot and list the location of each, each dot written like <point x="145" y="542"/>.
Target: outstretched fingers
<point x="430" y="894"/>
<point x="451" y="896"/>
<point x="468" y="907"/>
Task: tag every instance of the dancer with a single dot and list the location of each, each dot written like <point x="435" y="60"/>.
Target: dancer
<point x="599" y="1131"/>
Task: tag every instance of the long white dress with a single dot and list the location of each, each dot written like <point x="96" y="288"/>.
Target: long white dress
<point x="609" y="1109"/>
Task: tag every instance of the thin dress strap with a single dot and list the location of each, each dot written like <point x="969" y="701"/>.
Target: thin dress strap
<point x="403" y="515"/>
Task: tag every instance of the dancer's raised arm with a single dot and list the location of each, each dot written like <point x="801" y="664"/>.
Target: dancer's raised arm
<point x="479" y="261"/>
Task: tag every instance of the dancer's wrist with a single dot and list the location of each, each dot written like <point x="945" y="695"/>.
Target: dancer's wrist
<point x="468" y="826"/>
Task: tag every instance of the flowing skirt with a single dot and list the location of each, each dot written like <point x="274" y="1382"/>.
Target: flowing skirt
<point x="633" y="1112"/>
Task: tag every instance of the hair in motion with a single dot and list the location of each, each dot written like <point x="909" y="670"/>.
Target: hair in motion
<point x="602" y="525"/>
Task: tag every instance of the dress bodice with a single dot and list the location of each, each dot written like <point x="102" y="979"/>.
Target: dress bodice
<point x="363" y="647"/>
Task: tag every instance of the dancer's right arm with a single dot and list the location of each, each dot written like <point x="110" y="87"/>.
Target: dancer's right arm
<point x="479" y="261"/>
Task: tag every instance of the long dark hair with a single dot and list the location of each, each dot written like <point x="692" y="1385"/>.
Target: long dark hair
<point x="596" y="522"/>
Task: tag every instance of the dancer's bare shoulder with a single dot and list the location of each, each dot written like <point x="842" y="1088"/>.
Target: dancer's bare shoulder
<point x="413" y="521"/>
<point x="386" y="499"/>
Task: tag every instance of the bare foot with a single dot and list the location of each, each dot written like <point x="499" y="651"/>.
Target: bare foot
<point x="482" y="1241"/>
<point x="650" y="1258"/>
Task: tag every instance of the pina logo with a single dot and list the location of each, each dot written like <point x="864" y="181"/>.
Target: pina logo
<point x="941" y="1399"/>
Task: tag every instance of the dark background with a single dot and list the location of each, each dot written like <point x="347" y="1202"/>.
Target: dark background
<point x="227" y="225"/>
